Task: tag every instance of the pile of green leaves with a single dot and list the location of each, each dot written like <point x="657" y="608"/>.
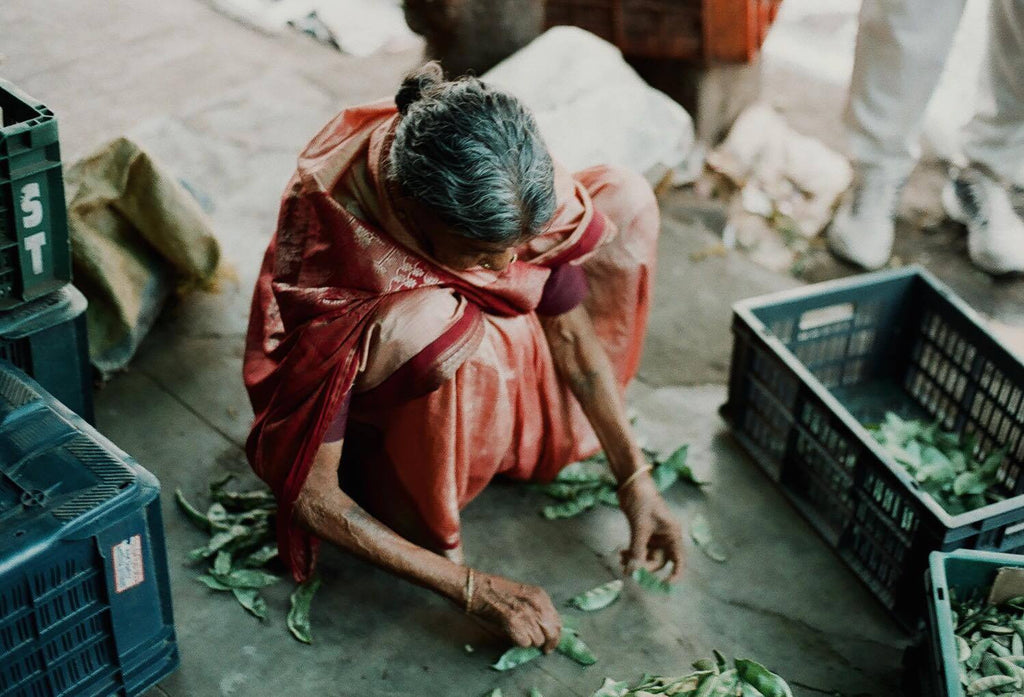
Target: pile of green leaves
<point x="241" y="548"/>
<point x="990" y="646"/>
<point x="582" y="485"/>
<point x="942" y="464"/>
<point x="710" y="678"/>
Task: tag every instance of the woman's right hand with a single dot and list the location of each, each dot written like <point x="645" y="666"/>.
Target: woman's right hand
<point x="525" y="613"/>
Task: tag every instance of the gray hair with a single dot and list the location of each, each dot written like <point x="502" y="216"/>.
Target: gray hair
<point x="473" y="155"/>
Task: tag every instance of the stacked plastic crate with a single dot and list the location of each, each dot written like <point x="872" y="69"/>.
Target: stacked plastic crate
<point x="84" y="594"/>
<point x="42" y="316"/>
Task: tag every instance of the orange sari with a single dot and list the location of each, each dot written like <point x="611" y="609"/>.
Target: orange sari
<point x="464" y="389"/>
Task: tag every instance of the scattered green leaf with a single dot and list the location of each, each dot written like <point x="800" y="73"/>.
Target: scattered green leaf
<point x="598" y="598"/>
<point x="212" y="583"/>
<point x="651" y="582"/>
<point x="763" y="680"/>
<point x="191" y="512"/>
<point x="251" y="600"/>
<point x="569" y="509"/>
<point x="515" y="657"/>
<point x="298" y="615"/>
<point x="572" y="646"/>
<point x="700" y="531"/>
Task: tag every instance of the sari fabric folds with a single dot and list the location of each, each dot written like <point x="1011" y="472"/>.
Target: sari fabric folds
<point x="439" y="379"/>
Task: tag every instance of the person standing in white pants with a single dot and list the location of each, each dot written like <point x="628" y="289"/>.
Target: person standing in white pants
<point x="902" y="46"/>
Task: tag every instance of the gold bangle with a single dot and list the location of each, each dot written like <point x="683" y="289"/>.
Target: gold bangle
<point x="467" y="592"/>
<point x="630" y="478"/>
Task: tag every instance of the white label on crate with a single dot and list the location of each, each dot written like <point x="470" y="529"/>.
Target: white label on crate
<point x="128" y="568"/>
<point x="34" y="246"/>
<point x="31" y="206"/>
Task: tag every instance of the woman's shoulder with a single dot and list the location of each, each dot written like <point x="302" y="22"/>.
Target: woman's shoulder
<point x="403" y="325"/>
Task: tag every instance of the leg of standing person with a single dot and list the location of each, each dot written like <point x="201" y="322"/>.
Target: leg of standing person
<point x="902" y="46"/>
<point x="978" y="195"/>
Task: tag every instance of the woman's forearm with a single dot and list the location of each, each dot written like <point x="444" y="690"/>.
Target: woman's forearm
<point x="327" y="512"/>
<point x="582" y="363"/>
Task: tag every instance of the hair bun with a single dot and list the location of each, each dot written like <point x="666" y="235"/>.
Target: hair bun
<point x="418" y="83"/>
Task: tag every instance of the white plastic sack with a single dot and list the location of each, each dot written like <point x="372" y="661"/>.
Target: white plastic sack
<point x="591" y="107"/>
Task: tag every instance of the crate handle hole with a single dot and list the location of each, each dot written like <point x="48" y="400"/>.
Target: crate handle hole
<point x="19" y="533"/>
<point x="124" y="485"/>
<point x="941" y="592"/>
<point x="824" y="316"/>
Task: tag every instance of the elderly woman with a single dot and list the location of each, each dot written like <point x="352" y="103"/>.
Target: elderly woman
<point x="451" y="305"/>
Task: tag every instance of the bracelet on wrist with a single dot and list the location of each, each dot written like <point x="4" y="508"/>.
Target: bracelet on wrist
<point x="633" y="477"/>
<point x="467" y="590"/>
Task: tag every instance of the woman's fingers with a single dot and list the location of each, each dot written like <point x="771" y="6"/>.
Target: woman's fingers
<point x="674" y="553"/>
<point x="519" y="632"/>
<point x="640" y="537"/>
<point x="552" y="634"/>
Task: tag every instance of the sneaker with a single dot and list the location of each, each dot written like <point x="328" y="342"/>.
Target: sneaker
<point x="995" y="231"/>
<point x="862" y="231"/>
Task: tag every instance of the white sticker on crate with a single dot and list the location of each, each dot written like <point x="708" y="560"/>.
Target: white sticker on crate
<point x="129" y="570"/>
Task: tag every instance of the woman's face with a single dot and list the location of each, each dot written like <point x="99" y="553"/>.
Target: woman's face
<point x="457" y="252"/>
<point x="449" y="248"/>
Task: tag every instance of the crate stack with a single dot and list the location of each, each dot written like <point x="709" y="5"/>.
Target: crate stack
<point x="85" y="605"/>
<point x="42" y="316"/>
<point x="811" y="366"/>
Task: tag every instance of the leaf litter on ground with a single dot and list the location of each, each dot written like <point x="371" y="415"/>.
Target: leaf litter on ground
<point x="709" y="677"/>
<point x="580" y="486"/>
<point x="241" y="546"/>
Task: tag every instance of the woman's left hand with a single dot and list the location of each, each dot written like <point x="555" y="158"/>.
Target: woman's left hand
<point x="656" y="538"/>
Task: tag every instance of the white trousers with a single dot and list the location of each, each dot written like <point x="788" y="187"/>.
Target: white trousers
<point x="902" y="46"/>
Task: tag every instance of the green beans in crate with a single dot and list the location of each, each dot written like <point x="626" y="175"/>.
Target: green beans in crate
<point x="811" y="367"/>
<point x="966" y="576"/>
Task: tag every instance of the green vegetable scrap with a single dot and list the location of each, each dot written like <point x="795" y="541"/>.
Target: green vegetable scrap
<point x="598" y="598"/>
<point x="710" y="678"/>
<point x="943" y="465"/>
<point x="573" y="647"/>
<point x="582" y="485"/>
<point x="515" y="657"/>
<point x="569" y="645"/>
<point x="241" y="545"/>
<point x="700" y="531"/>
<point x="651" y="582"/>
<point x="298" y="616"/>
<point x="989" y="640"/>
<point x="534" y="692"/>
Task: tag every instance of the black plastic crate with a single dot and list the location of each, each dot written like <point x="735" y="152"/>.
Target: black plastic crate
<point x="47" y="339"/>
<point x="809" y="366"/>
<point x="85" y="605"/>
<point x="35" y="252"/>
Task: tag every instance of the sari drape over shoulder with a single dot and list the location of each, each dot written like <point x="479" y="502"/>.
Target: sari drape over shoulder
<point x="441" y="379"/>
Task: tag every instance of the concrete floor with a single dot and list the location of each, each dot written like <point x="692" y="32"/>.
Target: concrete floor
<point x="227" y="109"/>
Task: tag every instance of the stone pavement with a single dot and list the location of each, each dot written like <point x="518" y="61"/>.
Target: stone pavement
<point x="227" y="109"/>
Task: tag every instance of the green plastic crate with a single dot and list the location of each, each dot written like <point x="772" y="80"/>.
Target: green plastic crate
<point x="35" y="252"/>
<point x="810" y="365"/>
<point x="969" y="574"/>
